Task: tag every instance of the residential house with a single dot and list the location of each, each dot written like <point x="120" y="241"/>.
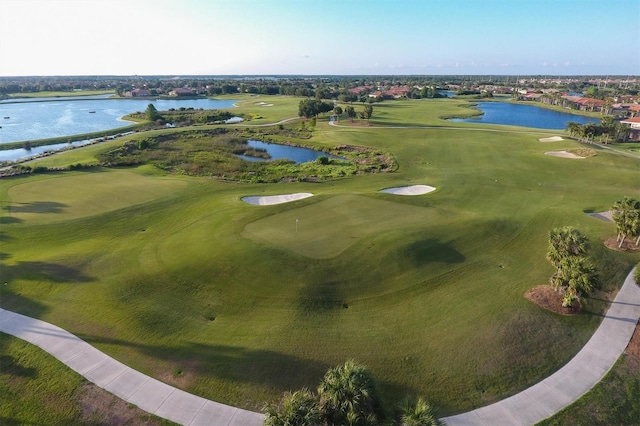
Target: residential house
<point x="182" y="91"/>
<point x="140" y="92"/>
<point x="634" y="128"/>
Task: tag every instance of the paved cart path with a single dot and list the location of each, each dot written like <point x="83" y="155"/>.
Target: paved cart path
<point x="134" y="387"/>
<point x="528" y="407"/>
<point x="576" y="378"/>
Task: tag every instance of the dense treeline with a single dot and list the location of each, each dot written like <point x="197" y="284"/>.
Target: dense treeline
<point x="320" y="87"/>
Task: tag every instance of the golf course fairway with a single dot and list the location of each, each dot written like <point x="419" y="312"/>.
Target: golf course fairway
<point x="179" y="278"/>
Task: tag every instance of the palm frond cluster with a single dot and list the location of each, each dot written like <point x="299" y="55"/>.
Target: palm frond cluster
<point x="626" y="215"/>
<point x="575" y="274"/>
<point x="347" y="396"/>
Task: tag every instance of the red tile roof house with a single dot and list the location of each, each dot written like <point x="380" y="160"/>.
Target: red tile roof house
<point x="634" y="110"/>
<point x="140" y="92"/>
<point x="398" y="91"/>
<point x="634" y="128"/>
<point x="359" y="89"/>
<point x="590" y="104"/>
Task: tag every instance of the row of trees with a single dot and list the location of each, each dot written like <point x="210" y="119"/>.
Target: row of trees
<point x="347" y="395"/>
<point x="365" y="114"/>
<point x="309" y="108"/>
<point x="608" y="130"/>
<point x="575" y="274"/>
<point x="312" y="107"/>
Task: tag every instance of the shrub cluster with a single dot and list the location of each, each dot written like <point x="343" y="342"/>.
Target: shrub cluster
<point x="347" y="395"/>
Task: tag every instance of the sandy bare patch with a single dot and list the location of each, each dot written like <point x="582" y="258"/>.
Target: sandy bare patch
<point x="99" y="407"/>
<point x="551" y="139"/>
<point x="629" y="244"/>
<point x="563" y="154"/>
<point x="276" y="199"/>
<point x="547" y="298"/>
<point x="606" y="215"/>
<point x="633" y="348"/>
<point x="409" y="190"/>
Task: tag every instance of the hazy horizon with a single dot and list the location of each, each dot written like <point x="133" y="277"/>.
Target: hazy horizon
<point x="329" y="38"/>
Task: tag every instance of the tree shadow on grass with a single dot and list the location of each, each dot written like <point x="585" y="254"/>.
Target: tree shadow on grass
<point x="320" y="297"/>
<point x="276" y="370"/>
<point x="43" y="270"/>
<point x="36" y="207"/>
<point x="232" y="364"/>
<point x="8" y="220"/>
<point x="14" y="367"/>
<point x="431" y="250"/>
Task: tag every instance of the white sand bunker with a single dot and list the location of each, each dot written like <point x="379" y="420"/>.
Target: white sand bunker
<point x="551" y="139"/>
<point x="276" y="199"/>
<point x="563" y="154"/>
<point x="409" y="190"/>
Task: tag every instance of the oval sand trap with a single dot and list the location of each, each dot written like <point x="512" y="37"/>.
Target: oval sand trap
<point x="409" y="190"/>
<point x="563" y="154"/>
<point x="551" y="139"/>
<point x="276" y="199"/>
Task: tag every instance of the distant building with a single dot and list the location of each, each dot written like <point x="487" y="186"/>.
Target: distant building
<point x="634" y="128"/>
<point x="183" y="91"/>
<point x="140" y="92"/>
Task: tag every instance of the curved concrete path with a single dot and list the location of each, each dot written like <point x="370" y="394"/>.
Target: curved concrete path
<point x="528" y="407"/>
<point x="566" y="385"/>
<point x="134" y="387"/>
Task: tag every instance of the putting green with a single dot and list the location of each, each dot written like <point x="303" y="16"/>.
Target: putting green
<point x="326" y="229"/>
<point x="74" y="196"/>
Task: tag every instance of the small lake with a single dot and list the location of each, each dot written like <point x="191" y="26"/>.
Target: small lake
<point x="32" y="119"/>
<point x="278" y="152"/>
<point x="524" y="115"/>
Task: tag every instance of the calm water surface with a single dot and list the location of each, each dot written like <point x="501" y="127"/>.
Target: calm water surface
<point x="53" y="117"/>
<point x="524" y="115"/>
<point x="277" y="152"/>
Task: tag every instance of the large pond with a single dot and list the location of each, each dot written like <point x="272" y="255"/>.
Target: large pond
<point x="524" y="115"/>
<point x="32" y="119"/>
<point x="277" y="152"/>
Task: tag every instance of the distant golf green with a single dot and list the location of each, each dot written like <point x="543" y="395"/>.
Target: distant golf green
<point x="70" y="197"/>
<point x="326" y="229"/>
<point x="177" y="277"/>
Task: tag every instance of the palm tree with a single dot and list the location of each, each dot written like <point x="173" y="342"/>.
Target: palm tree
<point x="564" y="242"/>
<point x="579" y="275"/>
<point x="419" y="413"/>
<point x="348" y="395"/>
<point x="626" y="215"/>
<point x="299" y="408"/>
<point x="573" y="128"/>
<point x="575" y="274"/>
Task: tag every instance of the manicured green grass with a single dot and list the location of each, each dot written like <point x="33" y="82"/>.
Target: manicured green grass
<point x="85" y="194"/>
<point x="352" y="218"/>
<point x="426" y="291"/>
<point x="37" y="389"/>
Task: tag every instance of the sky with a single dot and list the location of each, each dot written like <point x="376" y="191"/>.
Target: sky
<point x="319" y="37"/>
